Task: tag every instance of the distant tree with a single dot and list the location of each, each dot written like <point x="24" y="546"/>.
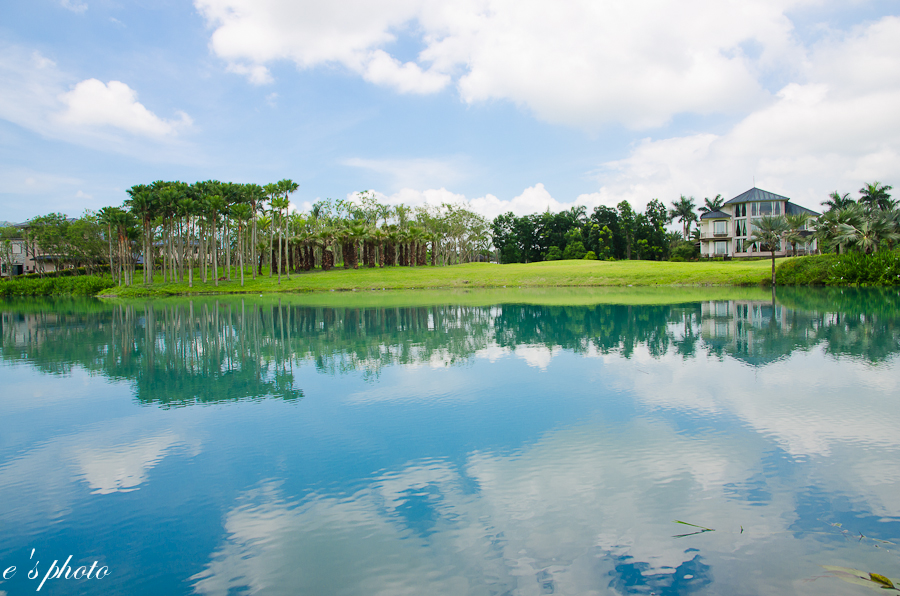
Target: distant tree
<point x="768" y="231"/>
<point x="627" y="225"/>
<point x="875" y="196"/>
<point x="838" y="201"/>
<point x="683" y="211"/>
<point x="711" y="205"/>
<point x="868" y="235"/>
<point x="796" y="225"/>
<point x="7" y="235"/>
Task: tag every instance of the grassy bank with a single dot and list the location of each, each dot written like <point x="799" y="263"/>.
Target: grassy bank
<point x="637" y="295"/>
<point x="480" y="275"/>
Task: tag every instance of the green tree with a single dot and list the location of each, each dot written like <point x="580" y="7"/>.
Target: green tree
<point x="876" y="196"/>
<point x="627" y="225"/>
<point x="768" y="231"/>
<point x="683" y="211"/>
<point x="836" y="201"/>
<point x="711" y="205"/>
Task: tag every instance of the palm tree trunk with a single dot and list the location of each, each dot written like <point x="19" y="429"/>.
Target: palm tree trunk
<point x="773" y="268"/>
<point x="240" y="239"/>
<point x="215" y="252"/>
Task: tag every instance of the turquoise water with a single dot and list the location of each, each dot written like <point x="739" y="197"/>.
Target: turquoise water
<point x="265" y="446"/>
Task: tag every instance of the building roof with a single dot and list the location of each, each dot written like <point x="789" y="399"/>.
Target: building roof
<point x="756" y="194"/>
<point x="792" y="209"/>
<point x="714" y="215"/>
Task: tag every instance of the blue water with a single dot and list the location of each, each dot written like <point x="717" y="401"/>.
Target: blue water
<point x="262" y="446"/>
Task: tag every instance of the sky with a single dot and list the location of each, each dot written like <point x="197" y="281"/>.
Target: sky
<point x="501" y="105"/>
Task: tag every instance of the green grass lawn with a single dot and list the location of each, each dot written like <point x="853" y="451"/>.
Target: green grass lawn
<point x="479" y="275"/>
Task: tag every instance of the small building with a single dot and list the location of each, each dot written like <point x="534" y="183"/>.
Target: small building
<point x="727" y="232"/>
<point x="27" y="257"/>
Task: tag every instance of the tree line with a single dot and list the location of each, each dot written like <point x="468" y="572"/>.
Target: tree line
<point x="223" y="230"/>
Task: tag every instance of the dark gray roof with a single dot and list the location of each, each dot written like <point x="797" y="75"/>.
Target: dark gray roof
<point x="792" y="209"/>
<point x="714" y="215"/>
<point x="756" y="194"/>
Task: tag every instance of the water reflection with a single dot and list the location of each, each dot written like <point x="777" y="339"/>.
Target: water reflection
<point x="216" y="350"/>
<point x="576" y="435"/>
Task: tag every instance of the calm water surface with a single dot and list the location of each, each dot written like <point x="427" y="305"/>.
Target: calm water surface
<point x="264" y="446"/>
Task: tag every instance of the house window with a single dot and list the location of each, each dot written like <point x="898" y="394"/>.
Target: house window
<point x="739" y="245"/>
<point x="721" y="247"/>
<point x="719" y="227"/>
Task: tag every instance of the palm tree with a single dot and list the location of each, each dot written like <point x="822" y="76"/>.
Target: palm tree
<point x="838" y="201"/>
<point x="875" y="196"/>
<point x="796" y="225"/>
<point x="254" y="195"/>
<point x="279" y="203"/>
<point x="107" y="217"/>
<point x="683" y="210"/>
<point x="241" y="213"/>
<point x="271" y="191"/>
<point x="711" y="205"/>
<point x="768" y="231"/>
<point x="286" y="188"/>
<point x="868" y="235"/>
<point x="142" y="202"/>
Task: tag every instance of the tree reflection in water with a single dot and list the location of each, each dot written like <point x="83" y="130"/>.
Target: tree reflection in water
<point x="181" y="352"/>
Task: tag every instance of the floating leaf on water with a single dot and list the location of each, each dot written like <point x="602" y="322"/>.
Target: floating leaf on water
<point x="677" y="521"/>
<point x="877" y="577"/>
<point x="700" y="531"/>
<point x="875" y="581"/>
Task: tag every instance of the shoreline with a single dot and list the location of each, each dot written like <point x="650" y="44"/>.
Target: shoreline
<point x="555" y="274"/>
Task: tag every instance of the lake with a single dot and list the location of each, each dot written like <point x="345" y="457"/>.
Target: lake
<point x="631" y="441"/>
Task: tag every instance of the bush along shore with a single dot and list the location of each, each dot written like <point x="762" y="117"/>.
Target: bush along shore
<point x="880" y="268"/>
<point x="84" y="285"/>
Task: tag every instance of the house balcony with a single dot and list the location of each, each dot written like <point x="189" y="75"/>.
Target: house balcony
<point x="713" y="236"/>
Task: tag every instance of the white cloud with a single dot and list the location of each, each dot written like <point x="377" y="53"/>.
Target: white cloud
<point x="95" y="104"/>
<point x="73" y="6"/>
<point x="26" y="181"/>
<point x="250" y="33"/>
<point x="583" y="63"/>
<point x="834" y="131"/>
<point x="255" y="73"/>
<point x="107" y="116"/>
<point x="414" y="173"/>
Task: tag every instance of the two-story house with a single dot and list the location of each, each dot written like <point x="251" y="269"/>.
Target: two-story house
<point x="727" y="232"/>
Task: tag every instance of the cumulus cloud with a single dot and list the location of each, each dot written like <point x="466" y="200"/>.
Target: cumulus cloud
<point x="95" y="104"/>
<point x="40" y="97"/>
<point x="251" y="33"/>
<point x="582" y="63"/>
<point x="835" y="130"/>
<point x="831" y="124"/>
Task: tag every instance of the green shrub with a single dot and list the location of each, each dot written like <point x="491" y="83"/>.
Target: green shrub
<point x="686" y="251"/>
<point x="84" y="285"/>
<point x="554" y="254"/>
<point x="590" y="256"/>
<point x="877" y="269"/>
<point x="805" y="271"/>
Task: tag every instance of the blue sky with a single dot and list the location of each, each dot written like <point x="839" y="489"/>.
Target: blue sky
<point x="500" y="104"/>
